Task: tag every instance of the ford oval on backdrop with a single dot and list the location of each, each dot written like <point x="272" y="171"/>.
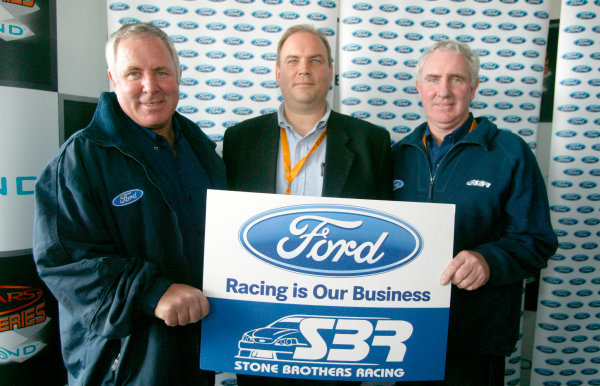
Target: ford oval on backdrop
<point x="331" y="240"/>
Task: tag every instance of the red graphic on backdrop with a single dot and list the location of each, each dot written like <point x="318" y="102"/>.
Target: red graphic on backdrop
<point x="26" y="3"/>
<point x="18" y="308"/>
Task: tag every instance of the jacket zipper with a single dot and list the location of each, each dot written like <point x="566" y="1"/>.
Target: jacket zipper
<point x="148" y="177"/>
<point x="116" y="363"/>
<point x="432" y="175"/>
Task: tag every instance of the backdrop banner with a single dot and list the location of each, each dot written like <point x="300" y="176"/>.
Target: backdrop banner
<point x="567" y="336"/>
<point x="381" y="43"/>
<point x="227" y="51"/>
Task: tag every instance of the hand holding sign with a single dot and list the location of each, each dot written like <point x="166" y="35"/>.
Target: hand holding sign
<point x="468" y="270"/>
<point x="181" y="304"/>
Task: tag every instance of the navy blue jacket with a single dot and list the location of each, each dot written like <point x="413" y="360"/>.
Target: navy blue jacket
<point x="502" y="212"/>
<point x="109" y="264"/>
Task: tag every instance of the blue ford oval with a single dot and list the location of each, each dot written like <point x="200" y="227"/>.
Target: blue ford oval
<point x="292" y="238"/>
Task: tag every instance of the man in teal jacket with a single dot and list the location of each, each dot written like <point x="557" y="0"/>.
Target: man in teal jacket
<point x="502" y="227"/>
<point x="119" y="225"/>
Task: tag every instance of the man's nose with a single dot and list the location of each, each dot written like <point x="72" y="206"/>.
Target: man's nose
<point x="304" y="67"/>
<point x="444" y="87"/>
<point x="149" y="83"/>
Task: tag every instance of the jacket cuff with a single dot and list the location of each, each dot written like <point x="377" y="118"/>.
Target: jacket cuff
<point x="153" y="295"/>
<point x="496" y="267"/>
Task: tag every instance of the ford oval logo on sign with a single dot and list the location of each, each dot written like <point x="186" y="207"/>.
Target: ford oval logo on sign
<point x="331" y="240"/>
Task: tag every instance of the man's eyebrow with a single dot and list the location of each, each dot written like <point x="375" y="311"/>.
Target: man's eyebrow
<point x="137" y="68"/>
<point x="129" y="68"/>
<point x="435" y="76"/>
<point x="319" y="56"/>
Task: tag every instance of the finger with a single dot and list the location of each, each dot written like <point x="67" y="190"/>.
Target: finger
<point x="205" y="307"/>
<point x="463" y="275"/>
<point x="473" y="281"/>
<point x="465" y="282"/>
<point x="196" y="312"/>
<point x="481" y="280"/>
<point x="449" y="272"/>
<point x="171" y="320"/>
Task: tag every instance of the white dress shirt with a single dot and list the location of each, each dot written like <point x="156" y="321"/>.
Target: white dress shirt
<point x="309" y="181"/>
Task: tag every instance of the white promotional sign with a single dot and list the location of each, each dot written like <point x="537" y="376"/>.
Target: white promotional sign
<point x="326" y="288"/>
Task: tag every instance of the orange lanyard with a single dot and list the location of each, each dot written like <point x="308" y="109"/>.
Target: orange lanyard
<point x="290" y="173"/>
<point x="473" y="125"/>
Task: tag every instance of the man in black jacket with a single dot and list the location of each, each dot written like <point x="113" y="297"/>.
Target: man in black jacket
<point x="306" y="148"/>
<point x="322" y="152"/>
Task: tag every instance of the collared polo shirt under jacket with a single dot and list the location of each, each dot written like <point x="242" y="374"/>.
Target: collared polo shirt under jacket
<point x="436" y="153"/>
<point x="184" y="181"/>
<point x="309" y="181"/>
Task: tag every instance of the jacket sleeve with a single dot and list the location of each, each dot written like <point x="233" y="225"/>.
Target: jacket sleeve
<point x="78" y="259"/>
<point x="527" y="240"/>
<point x="385" y="169"/>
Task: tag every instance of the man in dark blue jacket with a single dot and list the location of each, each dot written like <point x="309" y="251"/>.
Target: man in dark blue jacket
<point x="119" y="225"/>
<point x="502" y="227"/>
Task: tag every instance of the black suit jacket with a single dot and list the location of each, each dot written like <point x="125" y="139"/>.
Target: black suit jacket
<point x="357" y="159"/>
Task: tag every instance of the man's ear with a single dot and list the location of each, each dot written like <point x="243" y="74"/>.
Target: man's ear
<point x="111" y="78"/>
<point x="474" y="89"/>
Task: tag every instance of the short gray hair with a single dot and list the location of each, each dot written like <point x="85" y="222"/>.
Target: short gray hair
<point x="304" y="28"/>
<point x="129" y="31"/>
<point x="462" y="49"/>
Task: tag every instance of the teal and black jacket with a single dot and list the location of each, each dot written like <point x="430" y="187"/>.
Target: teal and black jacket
<point x="108" y="244"/>
<point x="502" y="212"/>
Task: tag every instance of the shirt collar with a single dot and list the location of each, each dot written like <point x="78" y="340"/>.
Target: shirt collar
<point x="290" y="130"/>
<point x="455" y="136"/>
<point x="156" y="137"/>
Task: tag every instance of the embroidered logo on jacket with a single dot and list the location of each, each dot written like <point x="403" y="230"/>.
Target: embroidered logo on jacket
<point x="480" y="183"/>
<point x="398" y="184"/>
<point x="128" y="197"/>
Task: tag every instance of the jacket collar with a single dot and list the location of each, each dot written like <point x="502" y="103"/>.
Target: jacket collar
<point x="482" y="135"/>
<point x="110" y="126"/>
<point x="338" y="158"/>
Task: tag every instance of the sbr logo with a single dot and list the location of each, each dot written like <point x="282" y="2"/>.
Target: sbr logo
<point x="309" y="338"/>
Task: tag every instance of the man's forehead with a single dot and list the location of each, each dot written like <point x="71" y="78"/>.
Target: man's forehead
<point x="303" y="39"/>
<point x="434" y="64"/>
<point x="140" y="42"/>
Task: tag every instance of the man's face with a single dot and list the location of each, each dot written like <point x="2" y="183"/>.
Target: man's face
<point x="445" y="91"/>
<point x="146" y="82"/>
<point x="303" y="72"/>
